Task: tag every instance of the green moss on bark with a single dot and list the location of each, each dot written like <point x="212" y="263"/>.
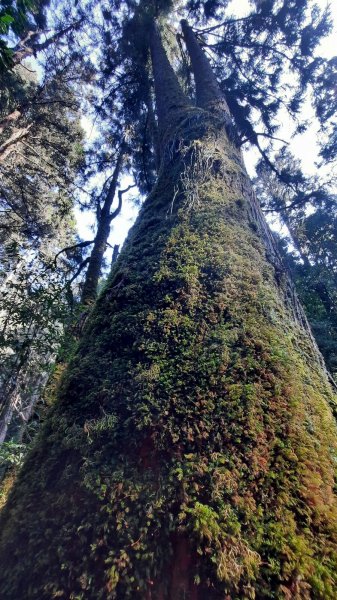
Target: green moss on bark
<point x="193" y="424"/>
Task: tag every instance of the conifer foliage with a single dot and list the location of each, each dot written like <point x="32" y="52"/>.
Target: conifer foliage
<point x="40" y="153"/>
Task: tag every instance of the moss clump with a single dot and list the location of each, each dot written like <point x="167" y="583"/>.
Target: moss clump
<point x="193" y="442"/>
<point x="6" y="486"/>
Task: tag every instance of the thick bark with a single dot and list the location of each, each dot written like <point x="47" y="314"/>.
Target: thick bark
<point x="211" y="98"/>
<point x="191" y="452"/>
<point x="151" y="122"/>
<point x="170" y="99"/>
<point x="208" y="93"/>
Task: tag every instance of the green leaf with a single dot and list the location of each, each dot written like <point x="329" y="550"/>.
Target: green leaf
<point x="6" y="19"/>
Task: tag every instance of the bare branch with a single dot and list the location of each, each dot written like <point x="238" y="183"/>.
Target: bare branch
<point x="79" y="245"/>
<point x="7" y="147"/>
<point x="22" y="51"/>
<point x="120" y="202"/>
<point x="79" y="270"/>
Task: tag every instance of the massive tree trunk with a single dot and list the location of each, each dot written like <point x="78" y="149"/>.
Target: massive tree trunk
<point x="192" y="451"/>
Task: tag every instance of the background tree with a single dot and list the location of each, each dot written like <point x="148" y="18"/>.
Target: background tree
<point x="40" y="153"/>
<point x="24" y="33"/>
<point x="307" y="208"/>
<point x="23" y="19"/>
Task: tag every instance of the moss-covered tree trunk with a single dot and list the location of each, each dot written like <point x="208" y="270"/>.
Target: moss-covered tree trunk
<point x="192" y="452"/>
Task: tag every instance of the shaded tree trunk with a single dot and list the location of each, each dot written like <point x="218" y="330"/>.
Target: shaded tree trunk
<point x="208" y="93"/>
<point x="115" y="254"/>
<point x="191" y="452"/>
<point x="170" y="99"/>
<point x="104" y="218"/>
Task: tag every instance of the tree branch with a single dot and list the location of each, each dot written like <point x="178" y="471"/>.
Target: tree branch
<point x="79" y="270"/>
<point x="120" y="201"/>
<point x="224" y="23"/>
<point x="79" y="245"/>
<point x="16" y="136"/>
<point x="22" y="51"/>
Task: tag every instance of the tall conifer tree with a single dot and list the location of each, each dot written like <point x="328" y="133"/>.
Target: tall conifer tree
<point x="192" y="450"/>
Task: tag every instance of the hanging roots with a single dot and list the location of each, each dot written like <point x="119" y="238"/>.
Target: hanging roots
<point x="195" y="142"/>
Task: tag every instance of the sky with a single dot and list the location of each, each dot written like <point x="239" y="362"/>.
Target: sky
<point x="303" y="146"/>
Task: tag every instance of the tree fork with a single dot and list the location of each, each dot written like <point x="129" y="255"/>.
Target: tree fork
<point x="208" y="93"/>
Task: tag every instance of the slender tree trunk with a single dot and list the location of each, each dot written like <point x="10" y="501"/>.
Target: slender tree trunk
<point x="22" y="384"/>
<point x="90" y="285"/>
<point x="191" y="452"/>
<point x="115" y="254"/>
<point x="28" y="390"/>
<point x="11" y="376"/>
<point x="6" y="418"/>
<point x="89" y="292"/>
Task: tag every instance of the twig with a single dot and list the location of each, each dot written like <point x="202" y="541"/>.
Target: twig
<point x="79" y="245"/>
<point x="120" y="200"/>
